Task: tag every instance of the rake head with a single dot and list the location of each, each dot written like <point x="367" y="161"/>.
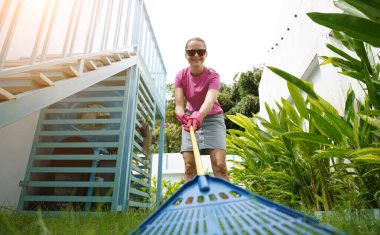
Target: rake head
<point x="210" y="205"/>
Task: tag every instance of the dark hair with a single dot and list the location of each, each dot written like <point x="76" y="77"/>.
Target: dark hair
<point x="196" y="39"/>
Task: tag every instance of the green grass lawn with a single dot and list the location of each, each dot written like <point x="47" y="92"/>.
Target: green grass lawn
<point x="101" y="223"/>
<point x="123" y="223"/>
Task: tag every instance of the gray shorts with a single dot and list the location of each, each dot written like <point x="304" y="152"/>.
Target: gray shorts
<point x="212" y="135"/>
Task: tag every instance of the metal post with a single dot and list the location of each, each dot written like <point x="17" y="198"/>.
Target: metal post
<point x="90" y="28"/>
<point x="137" y="25"/>
<point x="37" y="42"/>
<point x="118" y="23"/>
<point x="160" y="155"/>
<point x="97" y="19"/>
<point x="11" y="31"/>
<point x="74" y="37"/>
<point x="70" y="28"/>
<point x="127" y="151"/>
<point x="50" y="29"/>
<point x="128" y="20"/>
<point x="4" y="13"/>
<point x="107" y="25"/>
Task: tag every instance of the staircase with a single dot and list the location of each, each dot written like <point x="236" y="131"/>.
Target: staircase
<point x="100" y="100"/>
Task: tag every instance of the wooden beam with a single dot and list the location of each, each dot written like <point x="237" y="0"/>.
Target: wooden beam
<point x="65" y="68"/>
<point x="7" y="95"/>
<point x="90" y="65"/>
<point x="104" y="59"/>
<point x="44" y="80"/>
<point x="117" y="57"/>
<point x="33" y="101"/>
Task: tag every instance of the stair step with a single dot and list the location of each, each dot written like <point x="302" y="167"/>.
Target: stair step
<point x="78" y="145"/>
<point x="19" y="86"/>
<point x="93" y="184"/>
<point x="79" y="133"/>
<point x="67" y="199"/>
<point x="92" y="99"/>
<point x="81" y="121"/>
<point x="75" y="157"/>
<point x="73" y="170"/>
<point x="84" y="110"/>
<point x="105" y="88"/>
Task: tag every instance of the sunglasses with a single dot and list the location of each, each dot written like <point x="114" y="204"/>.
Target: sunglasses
<point x="200" y="52"/>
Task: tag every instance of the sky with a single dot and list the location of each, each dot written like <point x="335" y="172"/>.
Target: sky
<point x="238" y="33"/>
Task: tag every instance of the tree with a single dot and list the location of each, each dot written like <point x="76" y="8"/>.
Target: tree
<point x="242" y="96"/>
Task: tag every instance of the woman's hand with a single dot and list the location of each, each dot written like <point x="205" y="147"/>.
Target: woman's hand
<point x="195" y="120"/>
<point x="183" y="118"/>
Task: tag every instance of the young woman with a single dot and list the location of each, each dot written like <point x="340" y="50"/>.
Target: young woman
<point x="199" y="85"/>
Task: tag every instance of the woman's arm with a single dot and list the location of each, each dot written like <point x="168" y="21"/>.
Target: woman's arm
<point x="210" y="99"/>
<point x="179" y="100"/>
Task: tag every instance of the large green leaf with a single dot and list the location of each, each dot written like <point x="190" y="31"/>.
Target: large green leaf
<point x="369" y="159"/>
<point x="325" y="127"/>
<point x="361" y="51"/>
<point x="356" y="75"/>
<point x="308" y="137"/>
<point x="373" y="92"/>
<point x="347" y="8"/>
<point x="365" y="151"/>
<point x="295" y="81"/>
<point x="243" y="121"/>
<point x="292" y="113"/>
<point x="298" y="100"/>
<point x="341" y="125"/>
<point x="345" y="65"/>
<point x="271" y="115"/>
<point x="370" y="120"/>
<point x="370" y="112"/>
<point x="372" y="172"/>
<point x="347" y="41"/>
<point x="330" y="153"/>
<point x="349" y="105"/>
<point x="323" y="105"/>
<point x="356" y="27"/>
<point x="370" y="8"/>
<point x="338" y="51"/>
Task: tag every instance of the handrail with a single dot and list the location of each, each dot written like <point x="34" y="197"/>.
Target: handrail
<point x="88" y="28"/>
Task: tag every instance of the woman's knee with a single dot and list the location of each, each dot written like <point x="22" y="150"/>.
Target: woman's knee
<point x="190" y="168"/>
<point x="220" y="167"/>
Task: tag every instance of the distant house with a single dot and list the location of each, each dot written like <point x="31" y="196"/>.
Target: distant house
<point x="173" y="167"/>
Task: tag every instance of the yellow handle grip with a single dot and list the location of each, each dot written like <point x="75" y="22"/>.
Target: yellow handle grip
<point x="197" y="156"/>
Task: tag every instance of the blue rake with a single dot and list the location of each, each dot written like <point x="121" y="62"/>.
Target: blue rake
<point x="210" y="205"/>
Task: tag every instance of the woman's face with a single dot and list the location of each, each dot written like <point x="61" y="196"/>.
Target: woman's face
<point x="196" y="53"/>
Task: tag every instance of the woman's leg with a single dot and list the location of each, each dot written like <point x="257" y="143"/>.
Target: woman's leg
<point x="218" y="161"/>
<point x="190" y="169"/>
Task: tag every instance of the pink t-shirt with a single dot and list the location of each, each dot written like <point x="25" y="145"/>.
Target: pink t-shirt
<point x="195" y="88"/>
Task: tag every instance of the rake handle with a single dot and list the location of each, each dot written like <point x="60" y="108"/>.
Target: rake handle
<point x="197" y="156"/>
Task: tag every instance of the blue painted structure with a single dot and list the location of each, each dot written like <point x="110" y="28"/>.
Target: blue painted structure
<point x="99" y="106"/>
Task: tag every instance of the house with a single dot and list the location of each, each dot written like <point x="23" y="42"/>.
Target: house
<point x="82" y="87"/>
<point x="296" y="49"/>
<point x="173" y="168"/>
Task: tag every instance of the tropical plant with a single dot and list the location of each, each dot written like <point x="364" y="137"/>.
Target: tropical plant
<point x="319" y="157"/>
<point x="305" y="155"/>
<point x="168" y="189"/>
<point x="358" y="28"/>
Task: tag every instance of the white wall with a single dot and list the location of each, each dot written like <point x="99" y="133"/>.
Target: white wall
<point x="298" y="54"/>
<point x="15" y="145"/>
